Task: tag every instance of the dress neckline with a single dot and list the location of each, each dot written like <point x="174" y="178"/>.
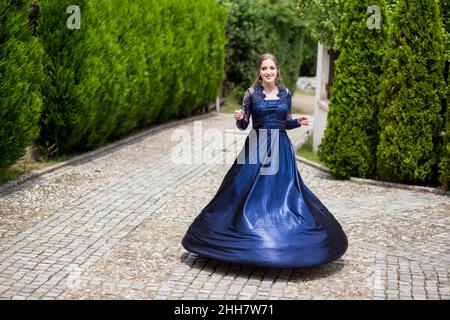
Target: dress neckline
<point x="281" y="92"/>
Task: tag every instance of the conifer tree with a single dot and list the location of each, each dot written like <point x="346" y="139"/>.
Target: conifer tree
<point x="351" y="136"/>
<point x="412" y="89"/>
<point x="444" y="166"/>
<point x="20" y="79"/>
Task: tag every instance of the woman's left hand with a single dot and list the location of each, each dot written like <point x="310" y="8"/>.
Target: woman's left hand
<point x="303" y="121"/>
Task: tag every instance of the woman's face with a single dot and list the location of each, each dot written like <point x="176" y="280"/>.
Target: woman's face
<point x="268" y="71"/>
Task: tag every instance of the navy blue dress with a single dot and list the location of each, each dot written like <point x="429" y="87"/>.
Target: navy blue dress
<point x="263" y="214"/>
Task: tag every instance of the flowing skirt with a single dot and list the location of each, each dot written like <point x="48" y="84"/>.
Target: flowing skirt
<point x="266" y="216"/>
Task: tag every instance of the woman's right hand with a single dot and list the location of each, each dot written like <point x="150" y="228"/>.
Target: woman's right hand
<point x="239" y="114"/>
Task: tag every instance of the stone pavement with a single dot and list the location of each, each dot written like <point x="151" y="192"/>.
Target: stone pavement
<point x="110" y="227"/>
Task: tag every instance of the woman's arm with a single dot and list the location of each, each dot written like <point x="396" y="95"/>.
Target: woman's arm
<point x="291" y="123"/>
<point x="246" y="108"/>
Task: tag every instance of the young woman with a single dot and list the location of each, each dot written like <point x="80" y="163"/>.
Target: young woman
<point x="263" y="214"/>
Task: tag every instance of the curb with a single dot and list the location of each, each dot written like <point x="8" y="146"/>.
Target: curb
<point x="376" y="182"/>
<point x="90" y="154"/>
<point x="313" y="164"/>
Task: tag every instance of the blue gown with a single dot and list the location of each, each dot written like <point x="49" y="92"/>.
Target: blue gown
<point x="263" y="214"/>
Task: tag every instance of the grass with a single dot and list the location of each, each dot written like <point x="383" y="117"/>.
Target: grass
<point x="26" y="165"/>
<point x="306" y="151"/>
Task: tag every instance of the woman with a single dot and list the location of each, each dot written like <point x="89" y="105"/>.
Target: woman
<point x="263" y="214"/>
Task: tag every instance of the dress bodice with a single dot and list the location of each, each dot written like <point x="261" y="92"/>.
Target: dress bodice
<point x="267" y="114"/>
<point x="270" y="114"/>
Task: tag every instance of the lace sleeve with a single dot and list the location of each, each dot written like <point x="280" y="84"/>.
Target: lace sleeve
<point x="290" y="123"/>
<point x="246" y="107"/>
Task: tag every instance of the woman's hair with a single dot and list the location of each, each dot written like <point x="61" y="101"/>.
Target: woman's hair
<point x="260" y="61"/>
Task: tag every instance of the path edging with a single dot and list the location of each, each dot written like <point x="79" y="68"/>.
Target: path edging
<point x="375" y="182"/>
<point x="132" y="138"/>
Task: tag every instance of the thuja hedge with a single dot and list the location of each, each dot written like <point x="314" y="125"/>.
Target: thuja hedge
<point x="444" y="165"/>
<point x="351" y="137"/>
<point x="20" y="80"/>
<point x="131" y="63"/>
<point x="258" y="26"/>
<point x="412" y="91"/>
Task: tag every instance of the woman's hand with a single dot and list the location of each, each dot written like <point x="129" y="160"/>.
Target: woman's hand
<point x="303" y="121"/>
<point x="239" y="114"/>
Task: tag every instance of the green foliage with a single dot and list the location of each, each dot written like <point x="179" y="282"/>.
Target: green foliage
<point x="323" y="19"/>
<point x="258" y="26"/>
<point x="68" y="116"/>
<point x="391" y="5"/>
<point x="20" y="79"/>
<point x="132" y="63"/>
<point x="194" y="55"/>
<point x="445" y="12"/>
<point x="351" y="136"/>
<point x="412" y="90"/>
<point x="444" y="165"/>
<point x="309" y="58"/>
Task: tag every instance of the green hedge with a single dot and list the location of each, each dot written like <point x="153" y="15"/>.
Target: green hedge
<point x="20" y="80"/>
<point x="132" y="63"/>
<point x="78" y="75"/>
<point x="351" y="135"/>
<point x="258" y="26"/>
<point x="444" y="166"/>
<point x="412" y="90"/>
<point x="194" y="63"/>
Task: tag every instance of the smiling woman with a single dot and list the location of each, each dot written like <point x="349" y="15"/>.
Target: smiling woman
<point x="263" y="214"/>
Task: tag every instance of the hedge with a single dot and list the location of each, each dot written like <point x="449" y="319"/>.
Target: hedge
<point x="132" y="63"/>
<point x="351" y="136"/>
<point x="412" y="90"/>
<point x="444" y="165"/>
<point x="20" y="80"/>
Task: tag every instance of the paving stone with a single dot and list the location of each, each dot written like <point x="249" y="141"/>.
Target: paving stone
<point x="111" y="227"/>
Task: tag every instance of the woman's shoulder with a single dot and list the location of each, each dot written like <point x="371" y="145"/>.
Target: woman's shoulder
<point x="283" y="88"/>
<point x="250" y="90"/>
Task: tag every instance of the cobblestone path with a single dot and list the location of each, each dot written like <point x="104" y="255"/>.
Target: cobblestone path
<point x="110" y="227"/>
